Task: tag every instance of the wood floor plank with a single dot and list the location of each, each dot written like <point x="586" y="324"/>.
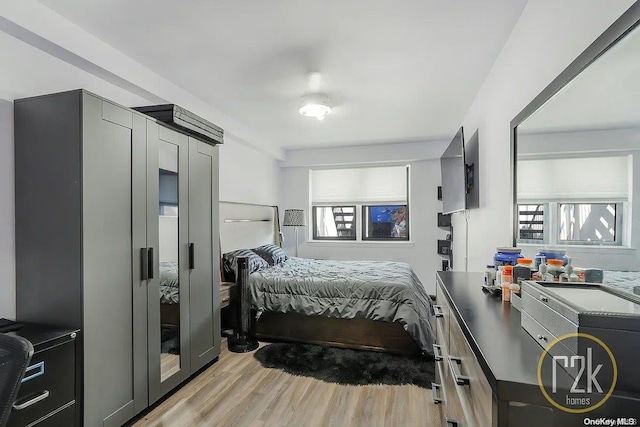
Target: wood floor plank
<point x="238" y="391"/>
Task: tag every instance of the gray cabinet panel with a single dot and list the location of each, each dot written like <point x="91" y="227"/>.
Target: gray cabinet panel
<point x="107" y="265"/>
<point x="205" y="276"/>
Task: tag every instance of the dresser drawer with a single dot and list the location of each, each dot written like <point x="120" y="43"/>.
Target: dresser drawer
<point x="445" y="394"/>
<point x="474" y="391"/>
<point x="442" y="318"/>
<point x="556" y="324"/>
<point x="48" y="385"/>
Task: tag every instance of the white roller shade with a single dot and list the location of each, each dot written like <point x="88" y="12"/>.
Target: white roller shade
<point x="360" y="185"/>
<point x="576" y="178"/>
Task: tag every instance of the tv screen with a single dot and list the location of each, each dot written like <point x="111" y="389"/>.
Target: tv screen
<point x="454" y="176"/>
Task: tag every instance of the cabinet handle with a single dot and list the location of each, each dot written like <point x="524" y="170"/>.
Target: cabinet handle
<point x="437" y="310"/>
<point x="544" y="299"/>
<point x="29" y="376"/>
<point x="454" y="365"/>
<point x="225" y="300"/>
<point x="41" y="396"/>
<point x="437" y="352"/>
<point x="451" y="423"/>
<point x="144" y="264"/>
<point x="150" y="263"/>
<point x="542" y="337"/>
<point x="434" y="389"/>
<point x="192" y="256"/>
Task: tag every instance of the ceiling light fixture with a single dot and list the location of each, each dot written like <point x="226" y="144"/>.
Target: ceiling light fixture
<point x="315" y="103"/>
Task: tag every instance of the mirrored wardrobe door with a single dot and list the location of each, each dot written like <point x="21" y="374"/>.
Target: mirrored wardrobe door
<point x="168" y="262"/>
<point x="168" y="289"/>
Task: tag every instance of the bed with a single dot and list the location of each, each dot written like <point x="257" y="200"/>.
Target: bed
<point x="372" y="305"/>
<point x="627" y="281"/>
<point x="169" y="293"/>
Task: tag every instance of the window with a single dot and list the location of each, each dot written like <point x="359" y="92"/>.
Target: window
<point x="531" y="222"/>
<point x="385" y="222"/>
<point x="563" y="202"/>
<point x="571" y="223"/>
<point x="334" y="223"/>
<point x="589" y="223"/>
<point x="377" y="195"/>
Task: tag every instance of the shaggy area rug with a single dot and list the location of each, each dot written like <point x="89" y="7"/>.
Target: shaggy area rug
<point x="170" y="339"/>
<point x="345" y="366"/>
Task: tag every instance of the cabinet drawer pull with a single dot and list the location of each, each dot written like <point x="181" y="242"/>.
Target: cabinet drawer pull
<point x="225" y="300"/>
<point x="437" y="310"/>
<point x="544" y="299"/>
<point x="451" y="423"/>
<point x="437" y="352"/>
<point x="542" y="337"/>
<point x="454" y="365"/>
<point x="29" y="376"/>
<point x="434" y="389"/>
<point x="41" y="396"/>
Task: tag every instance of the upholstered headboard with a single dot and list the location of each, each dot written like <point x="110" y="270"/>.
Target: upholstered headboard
<point x="246" y="226"/>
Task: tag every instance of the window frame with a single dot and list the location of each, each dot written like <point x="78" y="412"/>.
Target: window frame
<point x="366" y="222"/>
<point x="618" y="230"/>
<point x="314" y="217"/>
<point x="551" y="226"/>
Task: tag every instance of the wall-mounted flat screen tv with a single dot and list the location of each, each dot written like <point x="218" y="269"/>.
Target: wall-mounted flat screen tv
<point x="454" y="175"/>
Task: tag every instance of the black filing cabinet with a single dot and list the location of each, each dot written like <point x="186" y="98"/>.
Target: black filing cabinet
<point x="47" y="395"/>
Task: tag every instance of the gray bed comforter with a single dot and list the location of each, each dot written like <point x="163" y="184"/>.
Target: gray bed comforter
<point x="375" y="290"/>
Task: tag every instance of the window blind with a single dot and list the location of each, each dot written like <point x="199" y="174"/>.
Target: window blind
<point x="590" y="178"/>
<point x="360" y="185"/>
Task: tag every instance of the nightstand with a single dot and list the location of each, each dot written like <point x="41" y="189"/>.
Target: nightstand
<point x="47" y="395"/>
<point x="227" y="310"/>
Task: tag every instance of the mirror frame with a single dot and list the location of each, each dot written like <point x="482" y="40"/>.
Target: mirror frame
<point x="626" y="23"/>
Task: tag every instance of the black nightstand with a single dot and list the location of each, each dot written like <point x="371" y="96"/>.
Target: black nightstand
<point x="48" y="393"/>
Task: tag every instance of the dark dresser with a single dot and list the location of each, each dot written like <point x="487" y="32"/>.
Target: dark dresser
<point x="486" y="365"/>
<point x="48" y="393"/>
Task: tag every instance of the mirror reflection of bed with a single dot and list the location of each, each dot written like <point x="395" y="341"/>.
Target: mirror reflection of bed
<point x="168" y="263"/>
<point x="369" y="305"/>
<point x="578" y="168"/>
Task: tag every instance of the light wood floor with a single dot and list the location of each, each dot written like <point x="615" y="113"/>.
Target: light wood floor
<point x="169" y="365"/>
<point x="238" y="391"/>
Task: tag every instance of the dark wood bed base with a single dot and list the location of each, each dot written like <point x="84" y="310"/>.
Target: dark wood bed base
<point x="361" y="334"/>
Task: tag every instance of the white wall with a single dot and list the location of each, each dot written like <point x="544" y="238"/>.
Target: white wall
<point x="423" y="159"/>
<point x="547" y="38"/>
<point x="247" y="175"/>
<point x="7" y="217"/>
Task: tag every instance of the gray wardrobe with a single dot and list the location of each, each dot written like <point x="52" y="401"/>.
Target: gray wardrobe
<point x="117" y="234"/>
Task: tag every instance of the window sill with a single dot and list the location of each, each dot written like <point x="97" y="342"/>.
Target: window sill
<point x="360" y="243"/>
<point x="581" y="248"/>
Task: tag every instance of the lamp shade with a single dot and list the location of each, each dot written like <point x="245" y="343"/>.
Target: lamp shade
<point x="294" y="218"/>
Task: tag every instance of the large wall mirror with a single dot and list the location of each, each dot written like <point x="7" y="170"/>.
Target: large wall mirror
<point x="577" y="160"/>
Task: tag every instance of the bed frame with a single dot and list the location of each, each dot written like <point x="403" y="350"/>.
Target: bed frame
<point x="249" y="226"/>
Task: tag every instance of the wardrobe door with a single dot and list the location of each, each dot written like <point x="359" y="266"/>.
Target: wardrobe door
<point x="114" y="297"/>
<point x="204" y="257"/>
<point x="167" y="251"/>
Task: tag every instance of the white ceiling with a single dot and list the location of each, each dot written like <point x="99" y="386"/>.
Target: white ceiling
<point x="604" y="96"/>
<point x="396" y="71"/>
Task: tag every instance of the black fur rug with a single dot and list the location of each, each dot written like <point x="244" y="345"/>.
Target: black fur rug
<point x="170" y="339"/>
<point x="346" y="366"/>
